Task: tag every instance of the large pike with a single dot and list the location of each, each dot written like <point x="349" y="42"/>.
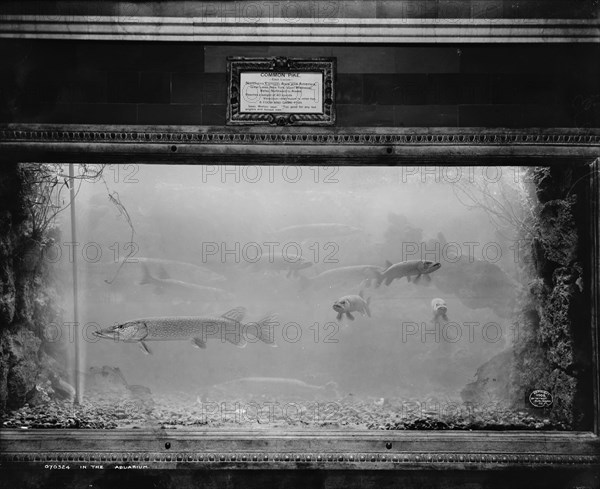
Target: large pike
<point x="166" y="283"/>
<point x="197" y="329"/>
<point x="420" y="268"/>
<point x="361" y="275"/>
<point x="290" y="263"/>
<point x="277" y="387"/>
<point x="202" y="273"/>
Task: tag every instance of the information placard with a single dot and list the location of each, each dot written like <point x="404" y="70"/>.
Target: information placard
<point x="281" y="91"/>
<point x="276" y="92"/>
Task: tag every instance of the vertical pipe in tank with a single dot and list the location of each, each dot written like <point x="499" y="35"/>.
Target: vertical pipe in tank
<point x="75" y="290"/>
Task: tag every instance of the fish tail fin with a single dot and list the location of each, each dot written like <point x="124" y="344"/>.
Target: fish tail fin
<point x="236" y="314"/>
<point x="266" y="329"/>
<point x="162" y="273"/>
<point x="378" y="278"/>
<point x="147" y="278"/>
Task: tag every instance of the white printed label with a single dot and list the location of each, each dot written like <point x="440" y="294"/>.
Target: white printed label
<point x="281" y="92"/>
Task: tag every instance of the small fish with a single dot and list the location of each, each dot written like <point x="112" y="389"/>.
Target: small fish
<point x="379" y="402"/>
<point x="139" y="391"/>
<point x="440" y="309"/>
<point x="62" y="389"/>
<point x="197" y="329"/>
<point x="351" y="303"/>
<point x="420" y="268"/>
<point x="165" y="283"/>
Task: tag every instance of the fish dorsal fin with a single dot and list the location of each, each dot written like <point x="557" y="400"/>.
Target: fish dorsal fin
<point x="146" y="278"/>
<point x="388" y="264"/>
<point x="237" y="314"/>
<point x="162" y="273"/>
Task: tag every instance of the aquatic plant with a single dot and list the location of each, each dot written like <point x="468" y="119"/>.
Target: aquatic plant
<point x="43" y="188"/>
<point x="551" y="353"/>
<point x="507" y="202"/>
<point x="32" y="197"/>
<point x="547" y="215"/>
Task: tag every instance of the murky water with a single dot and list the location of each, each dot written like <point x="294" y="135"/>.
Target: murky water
<point x="214" y="291"/>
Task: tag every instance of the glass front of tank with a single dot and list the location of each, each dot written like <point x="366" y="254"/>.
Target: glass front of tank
<point x="288" y="297"/>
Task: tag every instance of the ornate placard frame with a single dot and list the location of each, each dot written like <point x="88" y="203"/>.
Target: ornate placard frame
<point x="280" y="66"/>
<point x="574" y="452"/>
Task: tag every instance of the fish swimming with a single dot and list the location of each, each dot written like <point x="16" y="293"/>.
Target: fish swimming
<point x="316" y="230"/>
<point x="276" y="387"/>
<point x="197" y="329"/>
<point x="351" y="303"/>
<point x="440" y="309"/>
<point x="361" y="275"/>
<point x="166" y="283"/>
<point x="277" y="262"/>
<point x="420" y="268"/>
<point x="198" y="272"/>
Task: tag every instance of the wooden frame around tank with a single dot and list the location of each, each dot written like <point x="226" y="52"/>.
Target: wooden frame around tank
<point x="327" y="449"/>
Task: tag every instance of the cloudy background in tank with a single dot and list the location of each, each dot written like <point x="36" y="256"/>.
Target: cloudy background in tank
<point x="218" y="217"/>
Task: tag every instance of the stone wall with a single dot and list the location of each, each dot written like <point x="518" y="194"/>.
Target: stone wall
<point x="28" y="299"/>
<point x="450" y="85"/>
<point x="553" y="349"/>
<point x="555" y="320"/>
<point x="292" y="10"/>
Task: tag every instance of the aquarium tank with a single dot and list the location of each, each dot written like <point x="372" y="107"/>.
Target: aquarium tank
<point x="295" y="297"/>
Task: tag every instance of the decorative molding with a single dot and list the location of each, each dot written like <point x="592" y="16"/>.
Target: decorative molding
<point x="298" y="136"/>
<point x="300" y="30"/>
<point x="297" y="145"/>
<point x="309" y="460"/>
<point x="379" y="450"/>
